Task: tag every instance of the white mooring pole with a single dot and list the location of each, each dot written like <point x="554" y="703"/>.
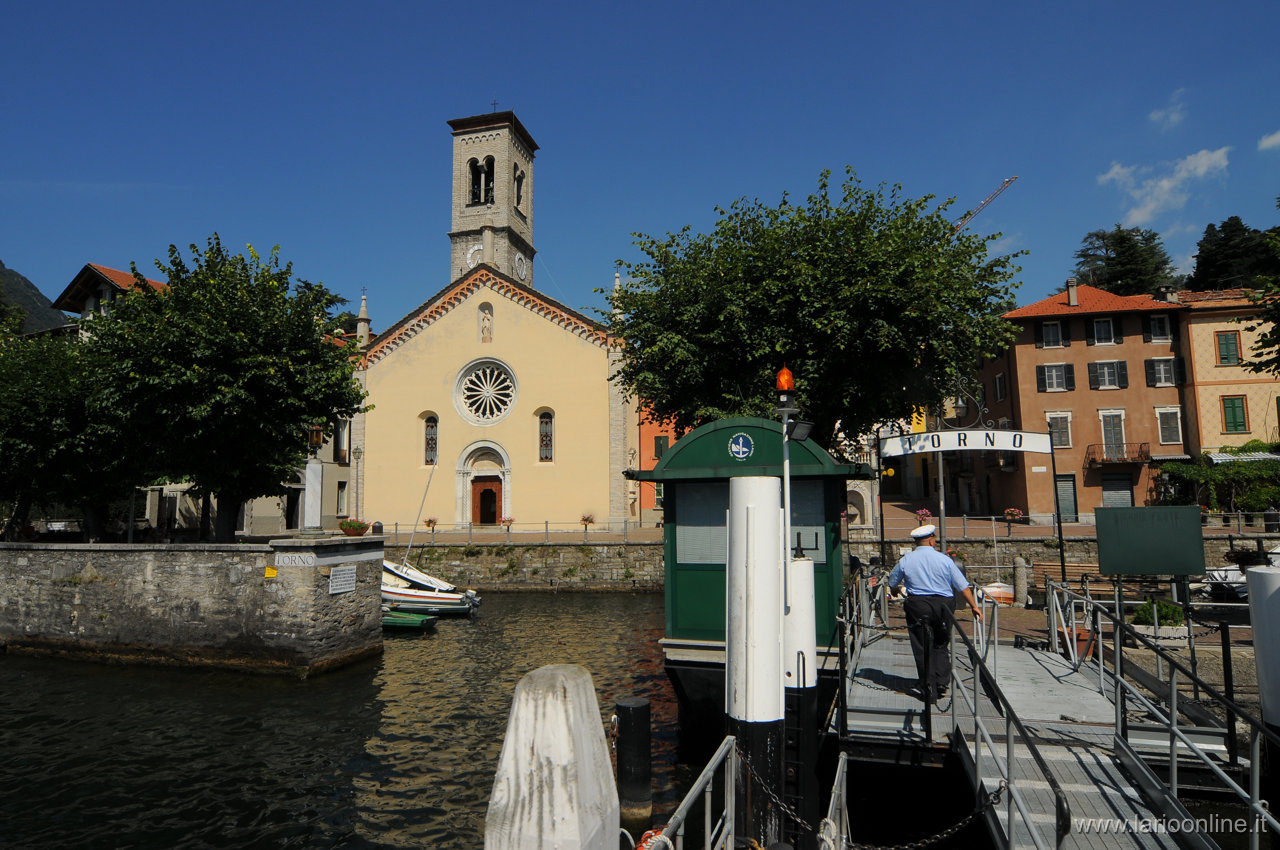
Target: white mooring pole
<point x="753" y="651"/>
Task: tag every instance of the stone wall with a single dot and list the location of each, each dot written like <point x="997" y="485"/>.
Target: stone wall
<point x="260" y="607"/>
<point x="587" y="567"/>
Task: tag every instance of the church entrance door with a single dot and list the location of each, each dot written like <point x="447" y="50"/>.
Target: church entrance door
<point x="486" y="499"/>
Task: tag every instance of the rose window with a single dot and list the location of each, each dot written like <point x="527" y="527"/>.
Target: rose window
<point x="487" y="392"/>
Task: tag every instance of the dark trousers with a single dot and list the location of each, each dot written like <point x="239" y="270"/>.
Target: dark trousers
<point x="929" y="628"/>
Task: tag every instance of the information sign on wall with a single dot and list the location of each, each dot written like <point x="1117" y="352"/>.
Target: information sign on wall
<point x="342" y="579"/>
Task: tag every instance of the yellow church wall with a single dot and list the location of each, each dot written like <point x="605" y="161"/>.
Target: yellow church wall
<point x="554" y="369"/>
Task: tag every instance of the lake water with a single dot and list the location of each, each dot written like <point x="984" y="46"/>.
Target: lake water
<point x="395" y="752"/>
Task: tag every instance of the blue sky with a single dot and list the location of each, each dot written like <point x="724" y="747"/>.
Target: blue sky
<point x="321" y="126"/>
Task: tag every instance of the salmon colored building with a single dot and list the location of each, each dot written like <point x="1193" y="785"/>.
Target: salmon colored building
<point x="1106" y="376"/>
<point x="1227" y="404"/>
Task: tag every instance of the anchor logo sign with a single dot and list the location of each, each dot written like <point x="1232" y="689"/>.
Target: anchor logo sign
<point x="741" y="446"/>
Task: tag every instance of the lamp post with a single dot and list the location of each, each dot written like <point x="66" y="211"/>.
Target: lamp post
<point x="357" y="453"/>
<point x="785" y="384"/>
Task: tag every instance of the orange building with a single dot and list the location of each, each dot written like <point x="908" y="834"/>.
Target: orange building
<point x="1105" y="375"/>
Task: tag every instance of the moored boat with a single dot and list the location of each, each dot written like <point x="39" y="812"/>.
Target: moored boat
<point x="408" y="590"/>
<point x="404" y="620"/>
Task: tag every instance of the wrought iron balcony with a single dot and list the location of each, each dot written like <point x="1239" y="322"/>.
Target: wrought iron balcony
<point x="1100" y="453"/>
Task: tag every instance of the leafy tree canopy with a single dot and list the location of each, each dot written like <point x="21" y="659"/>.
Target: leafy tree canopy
<point x="1231" y="256"/>
<point x="1125" y="261"/>
<point x="873" y="301"/>
<point x="232" y="364"/>
<point x="1266" y="295"/>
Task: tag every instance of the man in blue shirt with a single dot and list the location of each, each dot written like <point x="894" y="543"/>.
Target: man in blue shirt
<point x="932" y="581"/>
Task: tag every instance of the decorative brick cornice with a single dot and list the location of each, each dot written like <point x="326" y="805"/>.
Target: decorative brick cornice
<point x="437" y="307"/>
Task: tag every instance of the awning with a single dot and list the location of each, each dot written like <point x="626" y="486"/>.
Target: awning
<point x="1158" y="458"/>
<point x="1224" y="457"/>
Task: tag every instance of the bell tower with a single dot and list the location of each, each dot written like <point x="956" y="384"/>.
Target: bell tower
<point x="492" y="196"/>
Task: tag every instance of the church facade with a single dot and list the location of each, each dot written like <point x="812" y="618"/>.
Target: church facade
<point x="492" y="402"/>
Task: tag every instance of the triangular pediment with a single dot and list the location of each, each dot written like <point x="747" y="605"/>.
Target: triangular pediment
<point x="456" y="293"/>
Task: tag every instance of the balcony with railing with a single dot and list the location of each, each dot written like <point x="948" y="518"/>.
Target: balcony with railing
<point x="1102" y="453"/>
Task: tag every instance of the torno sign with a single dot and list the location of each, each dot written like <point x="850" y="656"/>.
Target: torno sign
<point x="970" y="440"/>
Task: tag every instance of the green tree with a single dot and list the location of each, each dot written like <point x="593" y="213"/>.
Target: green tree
<point x="1125" y="261"/>
<point x="872" y="300"/>
<point x="233" y="364"/>
<point x="57" y="444"/>
<point x="1231" y="256"/>
<point x="1266" y="295"/>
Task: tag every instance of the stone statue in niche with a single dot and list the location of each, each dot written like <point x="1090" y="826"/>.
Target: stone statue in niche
<point x="486" y="323"/>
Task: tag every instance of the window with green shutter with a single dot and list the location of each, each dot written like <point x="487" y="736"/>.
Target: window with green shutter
<point x="1233" y="415"/>
<point x="1228" y="348"/>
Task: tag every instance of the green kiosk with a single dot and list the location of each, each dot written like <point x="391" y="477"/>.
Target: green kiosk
<point x="694" y="474"/>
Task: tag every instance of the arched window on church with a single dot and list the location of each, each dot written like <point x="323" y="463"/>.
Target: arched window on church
<point x="546" y="436"/>
<point x="431" y="440"/>
<point x="486" y="322"/>
<point x="488" y="179"/>
<point x="477" y="181"/>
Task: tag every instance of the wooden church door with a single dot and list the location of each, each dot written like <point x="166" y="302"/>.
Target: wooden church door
<point x="486" y="500"/>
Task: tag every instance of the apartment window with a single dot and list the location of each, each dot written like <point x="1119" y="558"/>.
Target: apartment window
<point x="431" y="440"/>
<point x="342" y="499"/>
<point x="1055" y="377"/>
<point x="1103" y="332"/>
<point x="1059" y="430"/>
<point x="657" y="494"/>
<point x="1108" y="375"/>
<point x="546" y="437"/>
<point x="1051" y="334"/>
<point x="660" y="445"/>
<point x="1235" y="414"/>
<point x="1112" y="433"/>
<point x="1158" y="328"/>
<point x="1000" y="387"/>
<point x="1228" y="348"/>
<point x="341" y="442"/>
<point x="1169" y="420"/>
<point x="1161" y="372"/>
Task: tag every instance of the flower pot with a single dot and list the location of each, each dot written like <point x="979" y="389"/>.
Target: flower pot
<point x="353" y="532"/>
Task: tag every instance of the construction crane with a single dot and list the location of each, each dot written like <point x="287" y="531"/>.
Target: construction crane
<point x="968" y="218"/>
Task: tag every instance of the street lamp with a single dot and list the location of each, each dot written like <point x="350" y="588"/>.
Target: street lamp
<point x="785" y="384"/>
<point x="357" y="453"/>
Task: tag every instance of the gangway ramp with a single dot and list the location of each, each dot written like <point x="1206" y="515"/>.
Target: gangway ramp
<point x="1068" y="720"/>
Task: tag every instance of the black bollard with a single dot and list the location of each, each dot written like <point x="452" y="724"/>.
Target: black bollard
<point x="635" y="788"/>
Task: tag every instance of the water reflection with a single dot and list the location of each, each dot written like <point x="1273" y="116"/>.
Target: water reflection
<point x="398" y="752"/>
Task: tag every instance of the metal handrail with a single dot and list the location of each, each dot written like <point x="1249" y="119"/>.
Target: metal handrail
<point x="834" y="828"/>
<point x="1014" y="730"/>
<point x="717" y="832"/>
<point x="1167" y="717"/>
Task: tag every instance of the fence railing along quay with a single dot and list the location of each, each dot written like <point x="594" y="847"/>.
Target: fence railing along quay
<point x="1185" y="738"/>
<point x="520" y="533"/>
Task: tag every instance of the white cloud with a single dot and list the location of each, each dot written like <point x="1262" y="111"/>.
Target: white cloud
<point x="1268" y="142"/>
<point x="1163" y="191"/>
<point x="1172" y="115"/>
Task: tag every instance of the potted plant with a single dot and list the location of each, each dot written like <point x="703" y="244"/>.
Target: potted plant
<point x="924" y="516"/>
<point x="1172" y="631"/>
<point x="587" y="520"/>
<point x="353" y="527"/>
<point x="1012" y="515"/>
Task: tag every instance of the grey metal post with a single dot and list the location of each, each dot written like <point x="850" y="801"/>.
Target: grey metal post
<point x="1057" y="512"/>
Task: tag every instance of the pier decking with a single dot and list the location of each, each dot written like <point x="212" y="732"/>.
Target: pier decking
<point x="1070" y="721"/>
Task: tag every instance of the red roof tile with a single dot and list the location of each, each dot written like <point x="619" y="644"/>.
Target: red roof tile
<point x="1216" y="299"/>
<point x="124" y="280"/>
<point x="1090" y="299"/>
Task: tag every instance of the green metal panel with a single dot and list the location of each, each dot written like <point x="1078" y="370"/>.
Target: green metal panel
<point x="697" y="468"/>
<point x="1150" y="541"/>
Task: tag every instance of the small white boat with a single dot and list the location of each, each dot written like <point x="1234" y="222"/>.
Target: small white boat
<point x="409" y="590"/>
<point x="997" y="591"/>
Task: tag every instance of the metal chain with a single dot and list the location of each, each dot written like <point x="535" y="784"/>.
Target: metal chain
<point x="992" y="799"/>
<point x="765" y="786"/>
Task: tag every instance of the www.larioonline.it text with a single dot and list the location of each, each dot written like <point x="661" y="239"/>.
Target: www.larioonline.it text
<point x="1164" y="826"/>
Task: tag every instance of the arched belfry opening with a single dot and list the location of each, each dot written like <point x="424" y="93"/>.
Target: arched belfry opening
<point x="483" y="495"/>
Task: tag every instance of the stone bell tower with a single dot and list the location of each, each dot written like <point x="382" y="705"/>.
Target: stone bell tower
<point x="492" y="196"/>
